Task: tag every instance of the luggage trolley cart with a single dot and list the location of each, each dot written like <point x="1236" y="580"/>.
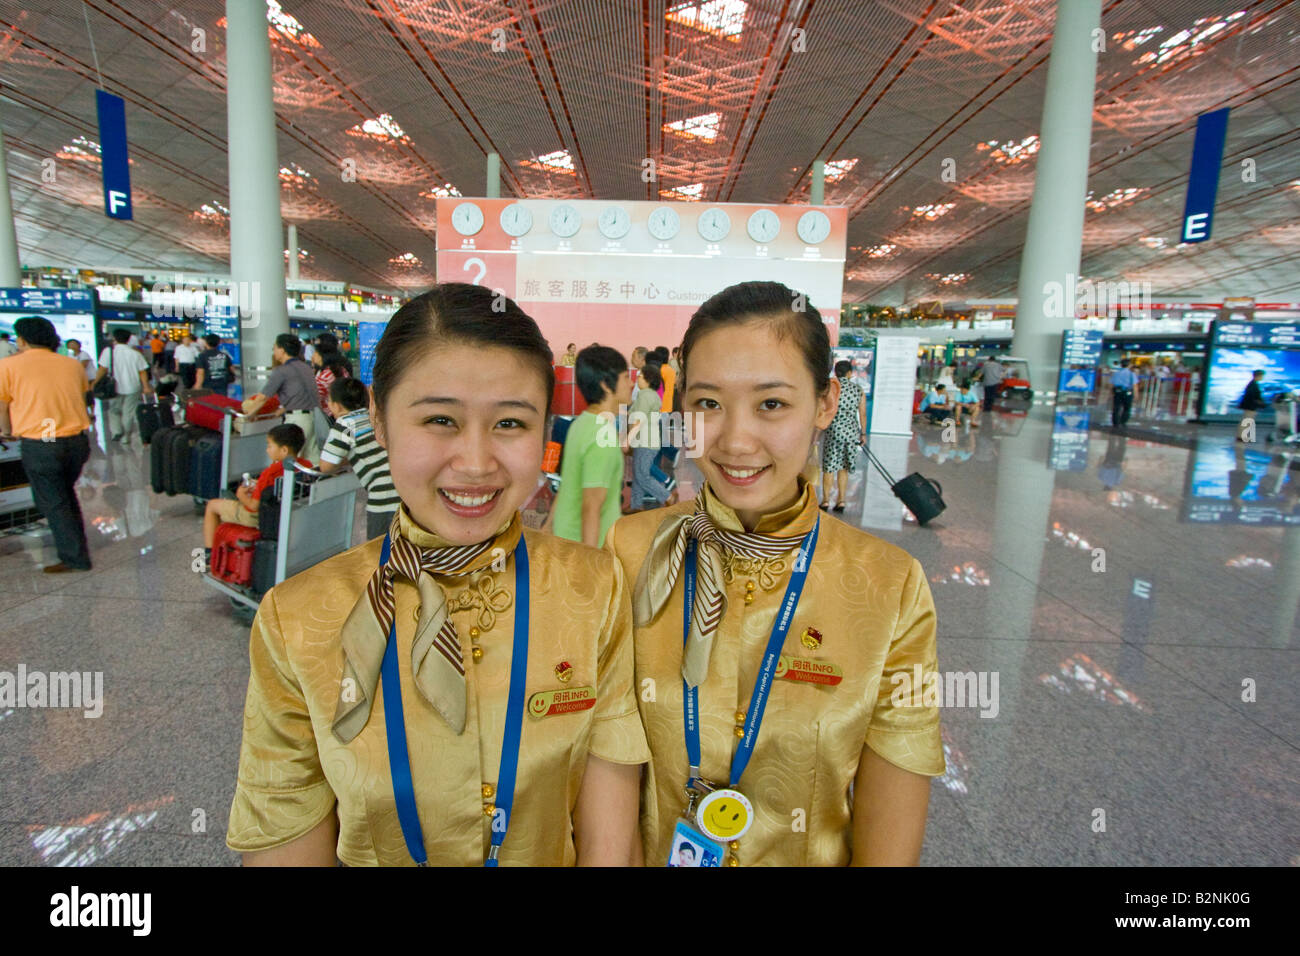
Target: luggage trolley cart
<point x="17" y="508"/>
<point x="1286" y="428"/>
<point x="317" y="512"/>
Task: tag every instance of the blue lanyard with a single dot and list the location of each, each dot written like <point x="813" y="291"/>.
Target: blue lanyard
<point x="766" y="674"/>
<point x="399" y="761"/>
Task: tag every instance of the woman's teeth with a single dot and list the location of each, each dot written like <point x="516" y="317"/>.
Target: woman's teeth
<point x="741" y="472"/>
<point x="470" y="501"/>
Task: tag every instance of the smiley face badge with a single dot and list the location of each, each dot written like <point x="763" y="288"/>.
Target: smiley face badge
<point x="725" y="815"/>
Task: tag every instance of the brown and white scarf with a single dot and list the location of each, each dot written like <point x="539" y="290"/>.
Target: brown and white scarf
<point x="437" y="660"/>
<point x="664" y="562"/>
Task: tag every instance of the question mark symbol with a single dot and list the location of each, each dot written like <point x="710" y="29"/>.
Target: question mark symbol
<point x="482" y="268"/>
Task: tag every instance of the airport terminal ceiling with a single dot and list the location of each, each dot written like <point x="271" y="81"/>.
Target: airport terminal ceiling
<point x="731" y="100"/>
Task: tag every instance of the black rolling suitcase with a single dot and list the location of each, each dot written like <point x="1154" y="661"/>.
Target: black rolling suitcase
<point x="205" y="466"/>
<point x="268" y="513"/>
<point x="180" y="449"/>
<point x="152" y="417"/>
<point x="158" y="460"/>
<point x="922" y="496"/>
<point x="263" y="566"/>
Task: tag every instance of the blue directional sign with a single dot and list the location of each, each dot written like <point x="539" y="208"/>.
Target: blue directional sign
<point x="40" y="301"/>
<point x="1203" y="180"/>
<point x="1277" y="335"/>
<point x="112" y="155"/>
<point x="368" y="336"/>
<point x="1080" y="355"/>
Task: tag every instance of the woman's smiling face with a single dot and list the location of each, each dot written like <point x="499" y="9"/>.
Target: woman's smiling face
<point x="464" y="432"/>
<point x="758" y="411"/>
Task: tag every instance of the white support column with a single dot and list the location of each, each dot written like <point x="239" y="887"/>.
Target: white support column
<point x="817" y="188"/>
<point x="1049" y="261"/>
<point x="293" y="251"/>
<point x="11" y="272"/>
<point x="256" y="233"/>
<point x="493" y="189"/>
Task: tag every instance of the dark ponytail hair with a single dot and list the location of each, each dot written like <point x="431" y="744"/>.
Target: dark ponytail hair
<point x="335" y="362"/>
<point x="788" y="313"/>
<point x="457" y="313"/>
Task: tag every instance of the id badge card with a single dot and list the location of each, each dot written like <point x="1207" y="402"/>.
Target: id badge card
<point x="690" y="847"/>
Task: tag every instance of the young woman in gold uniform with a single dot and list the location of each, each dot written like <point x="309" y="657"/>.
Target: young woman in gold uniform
<point x="459" y="691"/>
<point x="781" y="709"/>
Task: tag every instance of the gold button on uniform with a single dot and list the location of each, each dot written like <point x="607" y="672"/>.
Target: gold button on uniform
<point x="740" y="716"/>
<point x="477" y="653"/>
<point x="749" y="585"/>
<point x="489" y="809"/>
<point x="749" y="597"/>
<point x="489" y="791"/>
<point x="473" y="632"/>
<point x="732" y="861"/>
<point x="740" y="731"/>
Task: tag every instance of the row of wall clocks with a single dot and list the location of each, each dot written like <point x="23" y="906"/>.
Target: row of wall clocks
<point x="664" y="223"/>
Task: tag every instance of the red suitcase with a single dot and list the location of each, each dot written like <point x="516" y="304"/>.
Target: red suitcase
<point x="207" y="412"/>
<point x="232" y="553"/>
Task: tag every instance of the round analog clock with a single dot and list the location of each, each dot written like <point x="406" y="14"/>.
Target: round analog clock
<point x="565" y="220"/>
<point x="467" y="218"/>
<point x="516" y="219"/>
<point x="614" y="222"/>
<point x="814" y="226"/>
<point x="714" y="224"/>
<point x="664" y="223"/>
<point x="763" y="226"/>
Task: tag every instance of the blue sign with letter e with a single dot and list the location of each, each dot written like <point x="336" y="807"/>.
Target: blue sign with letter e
<point x="1203" y="180"/>
<point x="112" y="153"/>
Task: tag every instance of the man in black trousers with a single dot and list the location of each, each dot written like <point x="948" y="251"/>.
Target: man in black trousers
<point x="42" y="402"/>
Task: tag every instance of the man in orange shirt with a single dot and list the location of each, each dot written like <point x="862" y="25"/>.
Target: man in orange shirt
<point x="42" y="401"/>
<point x="669" y="377"/>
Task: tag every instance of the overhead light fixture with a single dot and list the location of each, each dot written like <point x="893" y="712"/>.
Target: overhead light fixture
<point x="933" y="211"/>
<point x="705" y="126"/>
<point x="557" y="162"/>
<point x="723" y="18"/>
<point x="837" y="169"/>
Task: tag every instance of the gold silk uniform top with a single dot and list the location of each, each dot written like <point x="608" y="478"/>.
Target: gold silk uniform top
<point x="294" y="771"/>
<point x="870" y="603"/>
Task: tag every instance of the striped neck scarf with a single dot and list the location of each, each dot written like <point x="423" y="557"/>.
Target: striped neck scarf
<point x="708" y="526"/>
<point x="437" y="660"/>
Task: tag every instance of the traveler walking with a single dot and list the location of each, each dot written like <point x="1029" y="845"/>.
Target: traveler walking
<point x="130" y="377"/>
<point x="42" y="402"/>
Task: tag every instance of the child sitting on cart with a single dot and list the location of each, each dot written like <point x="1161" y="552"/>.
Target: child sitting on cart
<point x="282" y="441"/>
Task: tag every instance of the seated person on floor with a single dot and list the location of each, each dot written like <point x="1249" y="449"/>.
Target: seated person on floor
<point x="282" y="441"/>
<point x="937" y="404"/>
<point x="968" y="403"/>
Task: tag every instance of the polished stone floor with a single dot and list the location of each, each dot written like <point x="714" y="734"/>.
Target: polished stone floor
<point x="1136" y="600"/>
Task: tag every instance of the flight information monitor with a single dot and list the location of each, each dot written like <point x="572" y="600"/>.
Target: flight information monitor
<point x="72" y="312"/>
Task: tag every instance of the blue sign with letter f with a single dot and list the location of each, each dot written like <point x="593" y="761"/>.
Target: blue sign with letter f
<point x="112" y="154"/>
